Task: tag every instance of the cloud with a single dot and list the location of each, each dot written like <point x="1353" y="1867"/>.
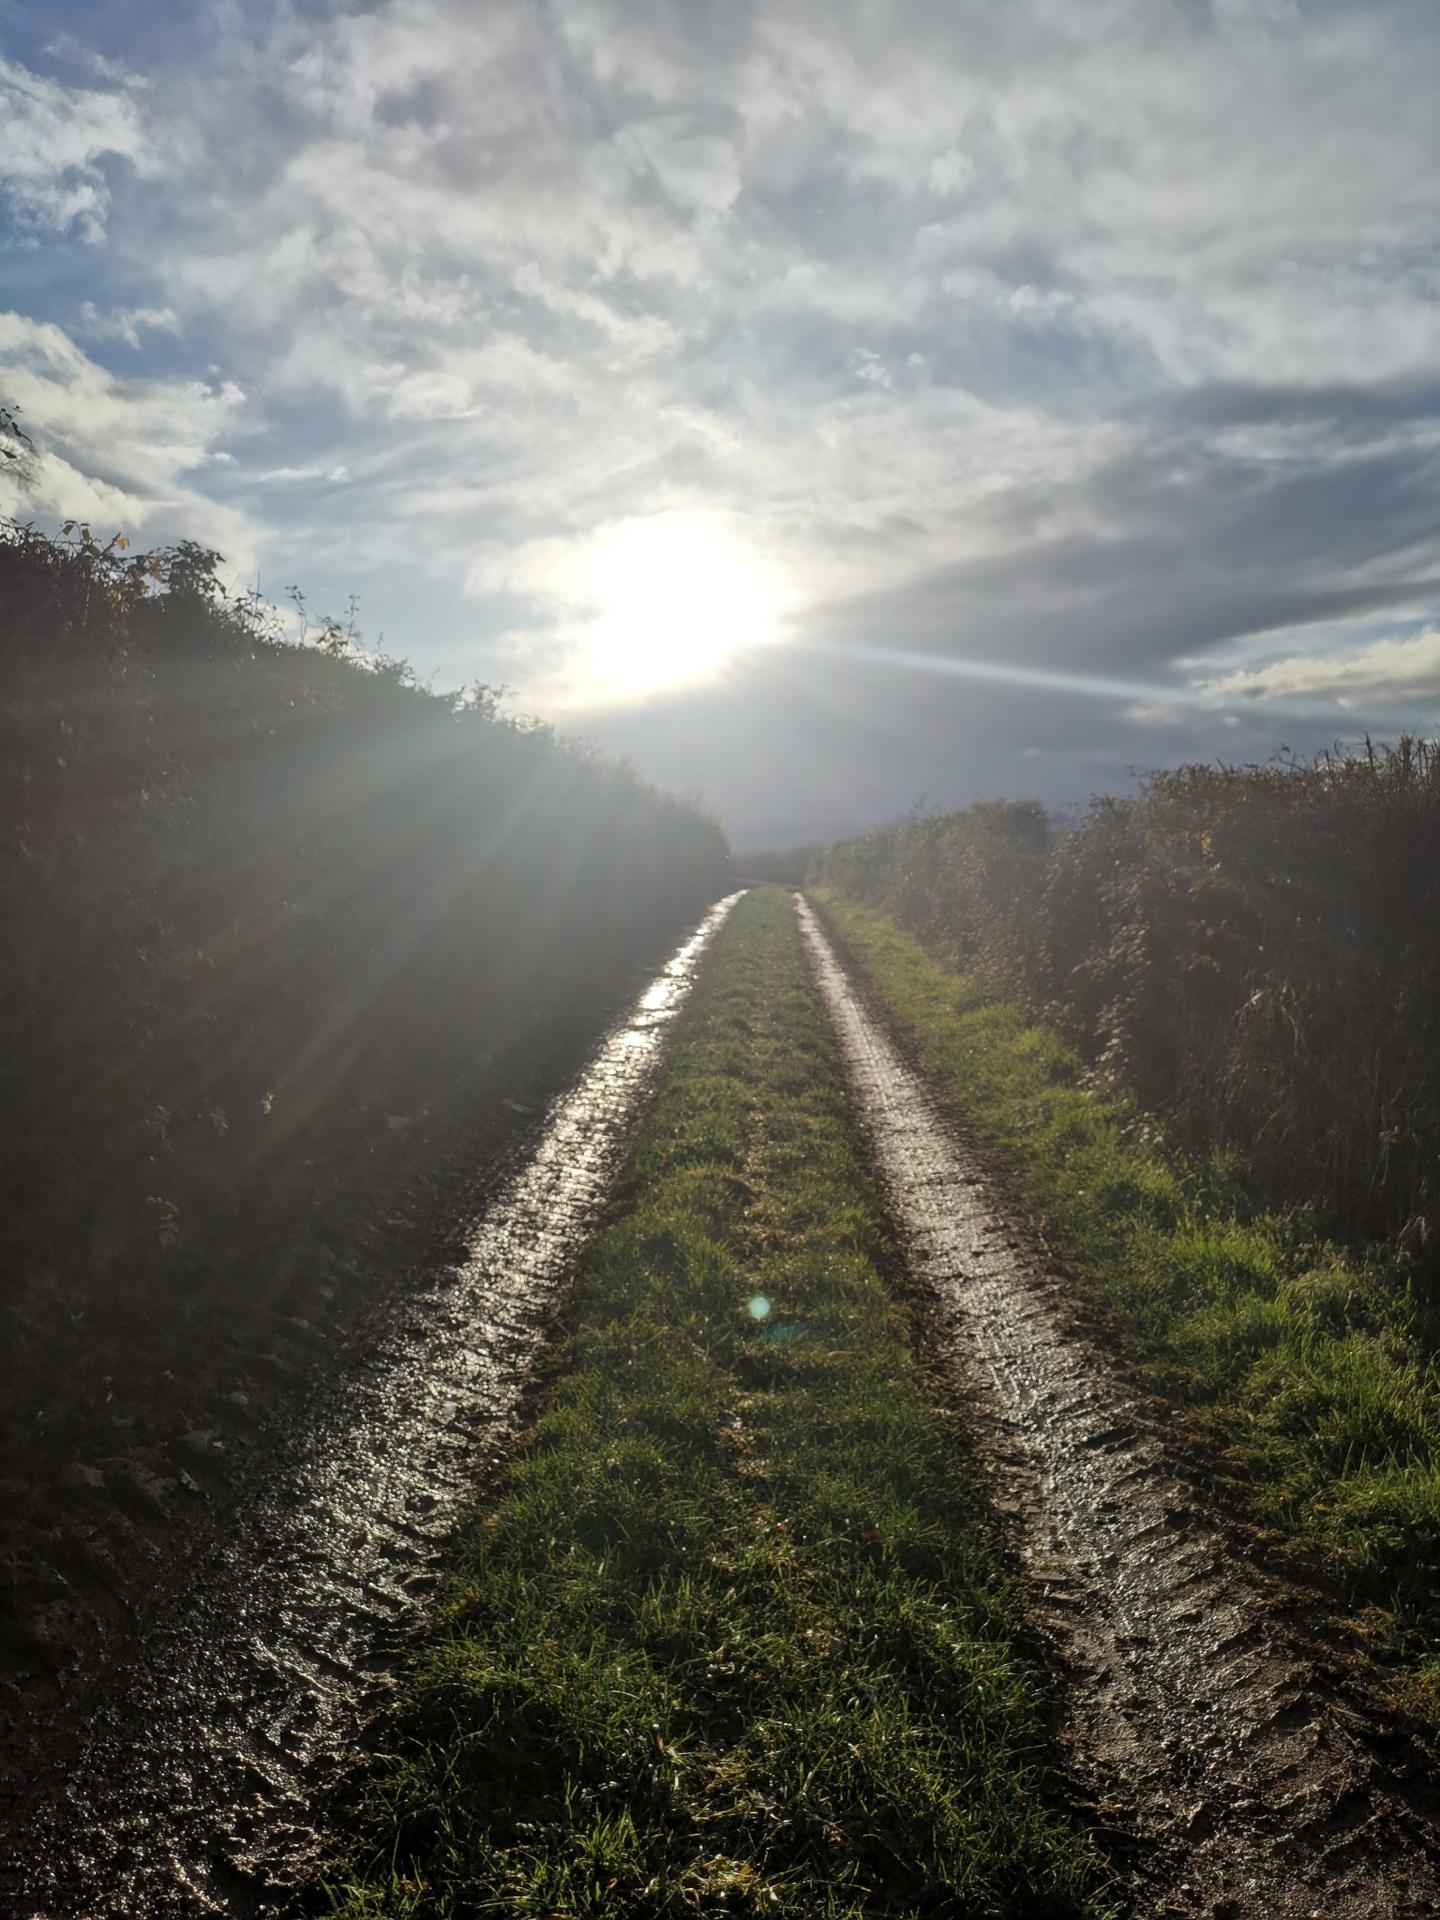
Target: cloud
<point x="126" y="323"/>
<point x="55" y="143"/>
<point x="124" y="453"/>
<point x="1378" y="677"/>
<point x="1172" y="544"/>
<point x="300" y="476"/>
<point x="868" y="367"/>
<point x="1100" y="343"/>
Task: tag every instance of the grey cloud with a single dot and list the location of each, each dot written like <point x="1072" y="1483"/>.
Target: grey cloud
<point x="1336" y="406"/>
<point x="1185" y="546"/>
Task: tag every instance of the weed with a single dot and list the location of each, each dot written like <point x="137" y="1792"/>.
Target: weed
<point x="735" y="1637"/>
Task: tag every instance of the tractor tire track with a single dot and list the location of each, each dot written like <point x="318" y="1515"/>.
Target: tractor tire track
<point x="1248" y="1784"/>
<point x="203" y="1758"/>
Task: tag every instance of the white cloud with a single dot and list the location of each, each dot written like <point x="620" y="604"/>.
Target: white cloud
<point x="1384" y="674"/>
<point x="297" y="476"/>
<point x="1213" y="204"/>
<point x="54" y="141"/>
<point x="129" y="454"/>
<point x="126" y="323"/>
<point x="869" y="367"/>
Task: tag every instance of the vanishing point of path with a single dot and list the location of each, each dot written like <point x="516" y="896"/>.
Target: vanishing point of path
<point x="1248" y="1786"/>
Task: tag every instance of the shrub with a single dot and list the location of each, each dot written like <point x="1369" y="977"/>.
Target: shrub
<point x="257" y="894"/>
<point x="1254" y="951"/>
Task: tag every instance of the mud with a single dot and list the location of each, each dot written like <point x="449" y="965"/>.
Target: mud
<point x="190" y="1788"/>
<point x="137" y="1394"/>
<point x="1242" y="1778"/>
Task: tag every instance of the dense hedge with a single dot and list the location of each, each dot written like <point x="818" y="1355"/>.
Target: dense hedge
<point x="1254" y="951"/>
<point x="259" y="901"/>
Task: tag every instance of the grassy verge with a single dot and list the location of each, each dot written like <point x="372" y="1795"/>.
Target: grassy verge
<point x="735" y="1635"/>
<point x="1310" y="1364"/>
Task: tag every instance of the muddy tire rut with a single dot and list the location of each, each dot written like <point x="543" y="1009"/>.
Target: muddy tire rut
<point x="1245" y="1781"/>
<point x="193" y="1782"/>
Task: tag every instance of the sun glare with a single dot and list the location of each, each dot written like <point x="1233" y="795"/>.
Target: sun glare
<point x="672" y="600"/>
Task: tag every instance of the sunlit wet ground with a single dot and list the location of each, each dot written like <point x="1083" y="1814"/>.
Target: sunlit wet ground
<point x="1239" y="1770"/>
<point x="196" y="1789"/>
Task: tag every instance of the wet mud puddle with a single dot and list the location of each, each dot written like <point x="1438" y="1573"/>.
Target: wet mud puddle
<point x="198" y="1770"/>
<point x="1247" y="1790"/>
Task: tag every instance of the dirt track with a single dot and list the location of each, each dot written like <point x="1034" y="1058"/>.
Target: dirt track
<point x="1242" y="1780"/>
<point x="1247" y="1782"/>
<point x="196" y="1775"/>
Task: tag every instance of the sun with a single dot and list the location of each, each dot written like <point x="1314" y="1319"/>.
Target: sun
<point x="670" y="600"/>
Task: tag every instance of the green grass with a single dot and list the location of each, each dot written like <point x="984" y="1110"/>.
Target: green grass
<point x="735" y="1635"/>
<point x="1311" y="1365"/>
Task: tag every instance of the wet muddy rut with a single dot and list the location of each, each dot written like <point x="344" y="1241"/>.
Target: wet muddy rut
<point x="197" y="1775"/>
<point x="1240" y="1774"/>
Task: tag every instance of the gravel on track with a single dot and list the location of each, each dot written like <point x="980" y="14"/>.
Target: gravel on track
<point x="1245" y="1778"/>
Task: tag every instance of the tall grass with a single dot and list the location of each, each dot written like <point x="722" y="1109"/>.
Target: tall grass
<point x="1307" y="1364"/>
<point x="1254" y="952"/>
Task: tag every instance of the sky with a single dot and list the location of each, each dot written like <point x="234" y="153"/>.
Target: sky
<point x="832" y="407"/>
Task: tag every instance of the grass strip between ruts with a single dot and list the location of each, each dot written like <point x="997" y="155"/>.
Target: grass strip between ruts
<point x="1312" y="1365"/>
<point x="734" y="1635"/>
